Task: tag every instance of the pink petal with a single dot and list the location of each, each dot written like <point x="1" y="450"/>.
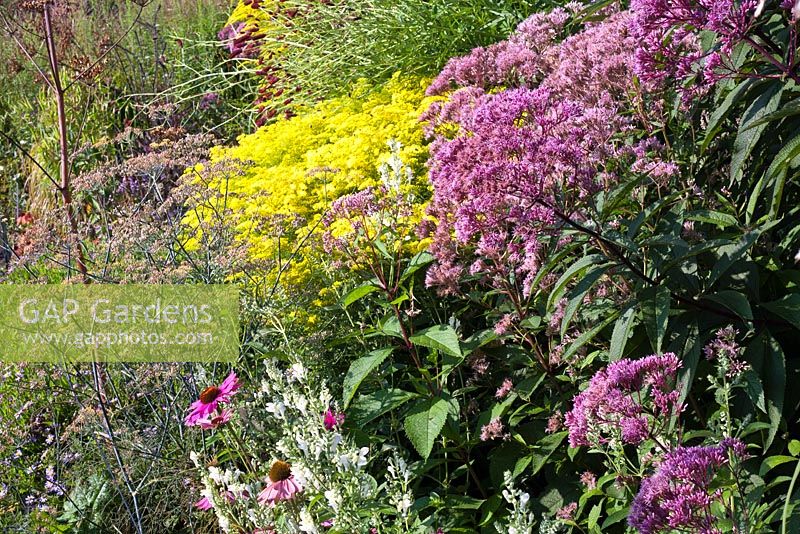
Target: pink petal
<point x="204" y="504"/>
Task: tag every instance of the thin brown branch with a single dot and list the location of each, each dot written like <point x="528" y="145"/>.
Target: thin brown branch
<point x="64" y="157"/>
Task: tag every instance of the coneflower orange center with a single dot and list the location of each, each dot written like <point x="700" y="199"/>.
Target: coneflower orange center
<point x="210" y="394"/>
<point x="280" y="471"/>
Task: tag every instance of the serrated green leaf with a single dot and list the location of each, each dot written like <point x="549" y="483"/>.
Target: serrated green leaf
<point x="419" y="261"/>
<point x="788" y="109"/>
<point x="424" y="423"/>
<point x="545" y="448"/>
<point x="589" y="335"/>
<point x="580" y="290"/>
<point x="754" y="389"/>
<point x="463" y="502"/>
<point x="620" y="194"/>
<point x="787" y="307"/>
<point x="367" y="408"/>
<point x="723" y="110"/>
<point x="594" y="515"/>
<point x="359" y="370"/>
<point x="767" y="359"/>
<point x="615" y="518"/>
<point x="636" y="224"/>
<point x="772" y="462"/>
<point x="440" y="337"/>
<point x="390" y="326"/>
<point x="732" y="253"/>
<point x="777" y="172"/>
<point x="712" y="217"/>
<point x="752" y="428"/>
<point x="478" y="340"/>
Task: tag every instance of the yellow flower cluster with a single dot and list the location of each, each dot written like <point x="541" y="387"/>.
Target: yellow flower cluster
<point x="298" y="166"/>
<point x="245" y="13"/>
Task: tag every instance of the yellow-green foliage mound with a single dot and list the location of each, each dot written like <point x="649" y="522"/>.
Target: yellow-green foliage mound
<point x="297" y="167"/>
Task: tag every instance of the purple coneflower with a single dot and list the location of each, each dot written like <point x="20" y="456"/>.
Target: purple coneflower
<point x="215" y="420"/>
<point x="210" y="399"/>
<point x="282" y="486"/>
<point x="204" y="504"/>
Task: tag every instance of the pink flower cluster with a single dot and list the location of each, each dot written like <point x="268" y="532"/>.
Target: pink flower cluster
<point x="368" y="212"/>
<point x="727" y="353"/>
<point x="680" y="495"/>
<point x="668" y="37"/>
<point x="495" y="183"/>
<point x="515" y="61"/>
<point x="521" y="141"/>
<point x="494" y="430"/>
<point x="627" y="399"/>
<point x="332" y="419"/>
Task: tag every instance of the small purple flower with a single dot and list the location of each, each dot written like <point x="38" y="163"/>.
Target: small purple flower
<point x="494" y="430"/>
<point x="567" y="512"/>
<point x="726" y="352"/>
<point x="528" y="124"/>
<point x="332" y="419"/>
<point x="680" y="495"/>
<point x="208" y="101"/>
<point x="51" y="484"/>
<point x="504" y="324"/>
<point x="667" y="33"/>
<point x="589" y="480"/>
<point x="504" y="389"/>
<point x="555" y="422"/>
<point x="625" y="399"/>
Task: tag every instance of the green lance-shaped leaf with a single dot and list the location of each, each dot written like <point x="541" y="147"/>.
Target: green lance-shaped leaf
<point x="748" y="137"/>
<point x="357" y="294"/>
<point x="359" y="370"/>
<point x="621" y="333"/>
<point x="655" y="314"/>
<point x="787" y="307"/>
<point x="766" y="356"/>
<point x="367" y="408"/>
<point x="733" y="301"/>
